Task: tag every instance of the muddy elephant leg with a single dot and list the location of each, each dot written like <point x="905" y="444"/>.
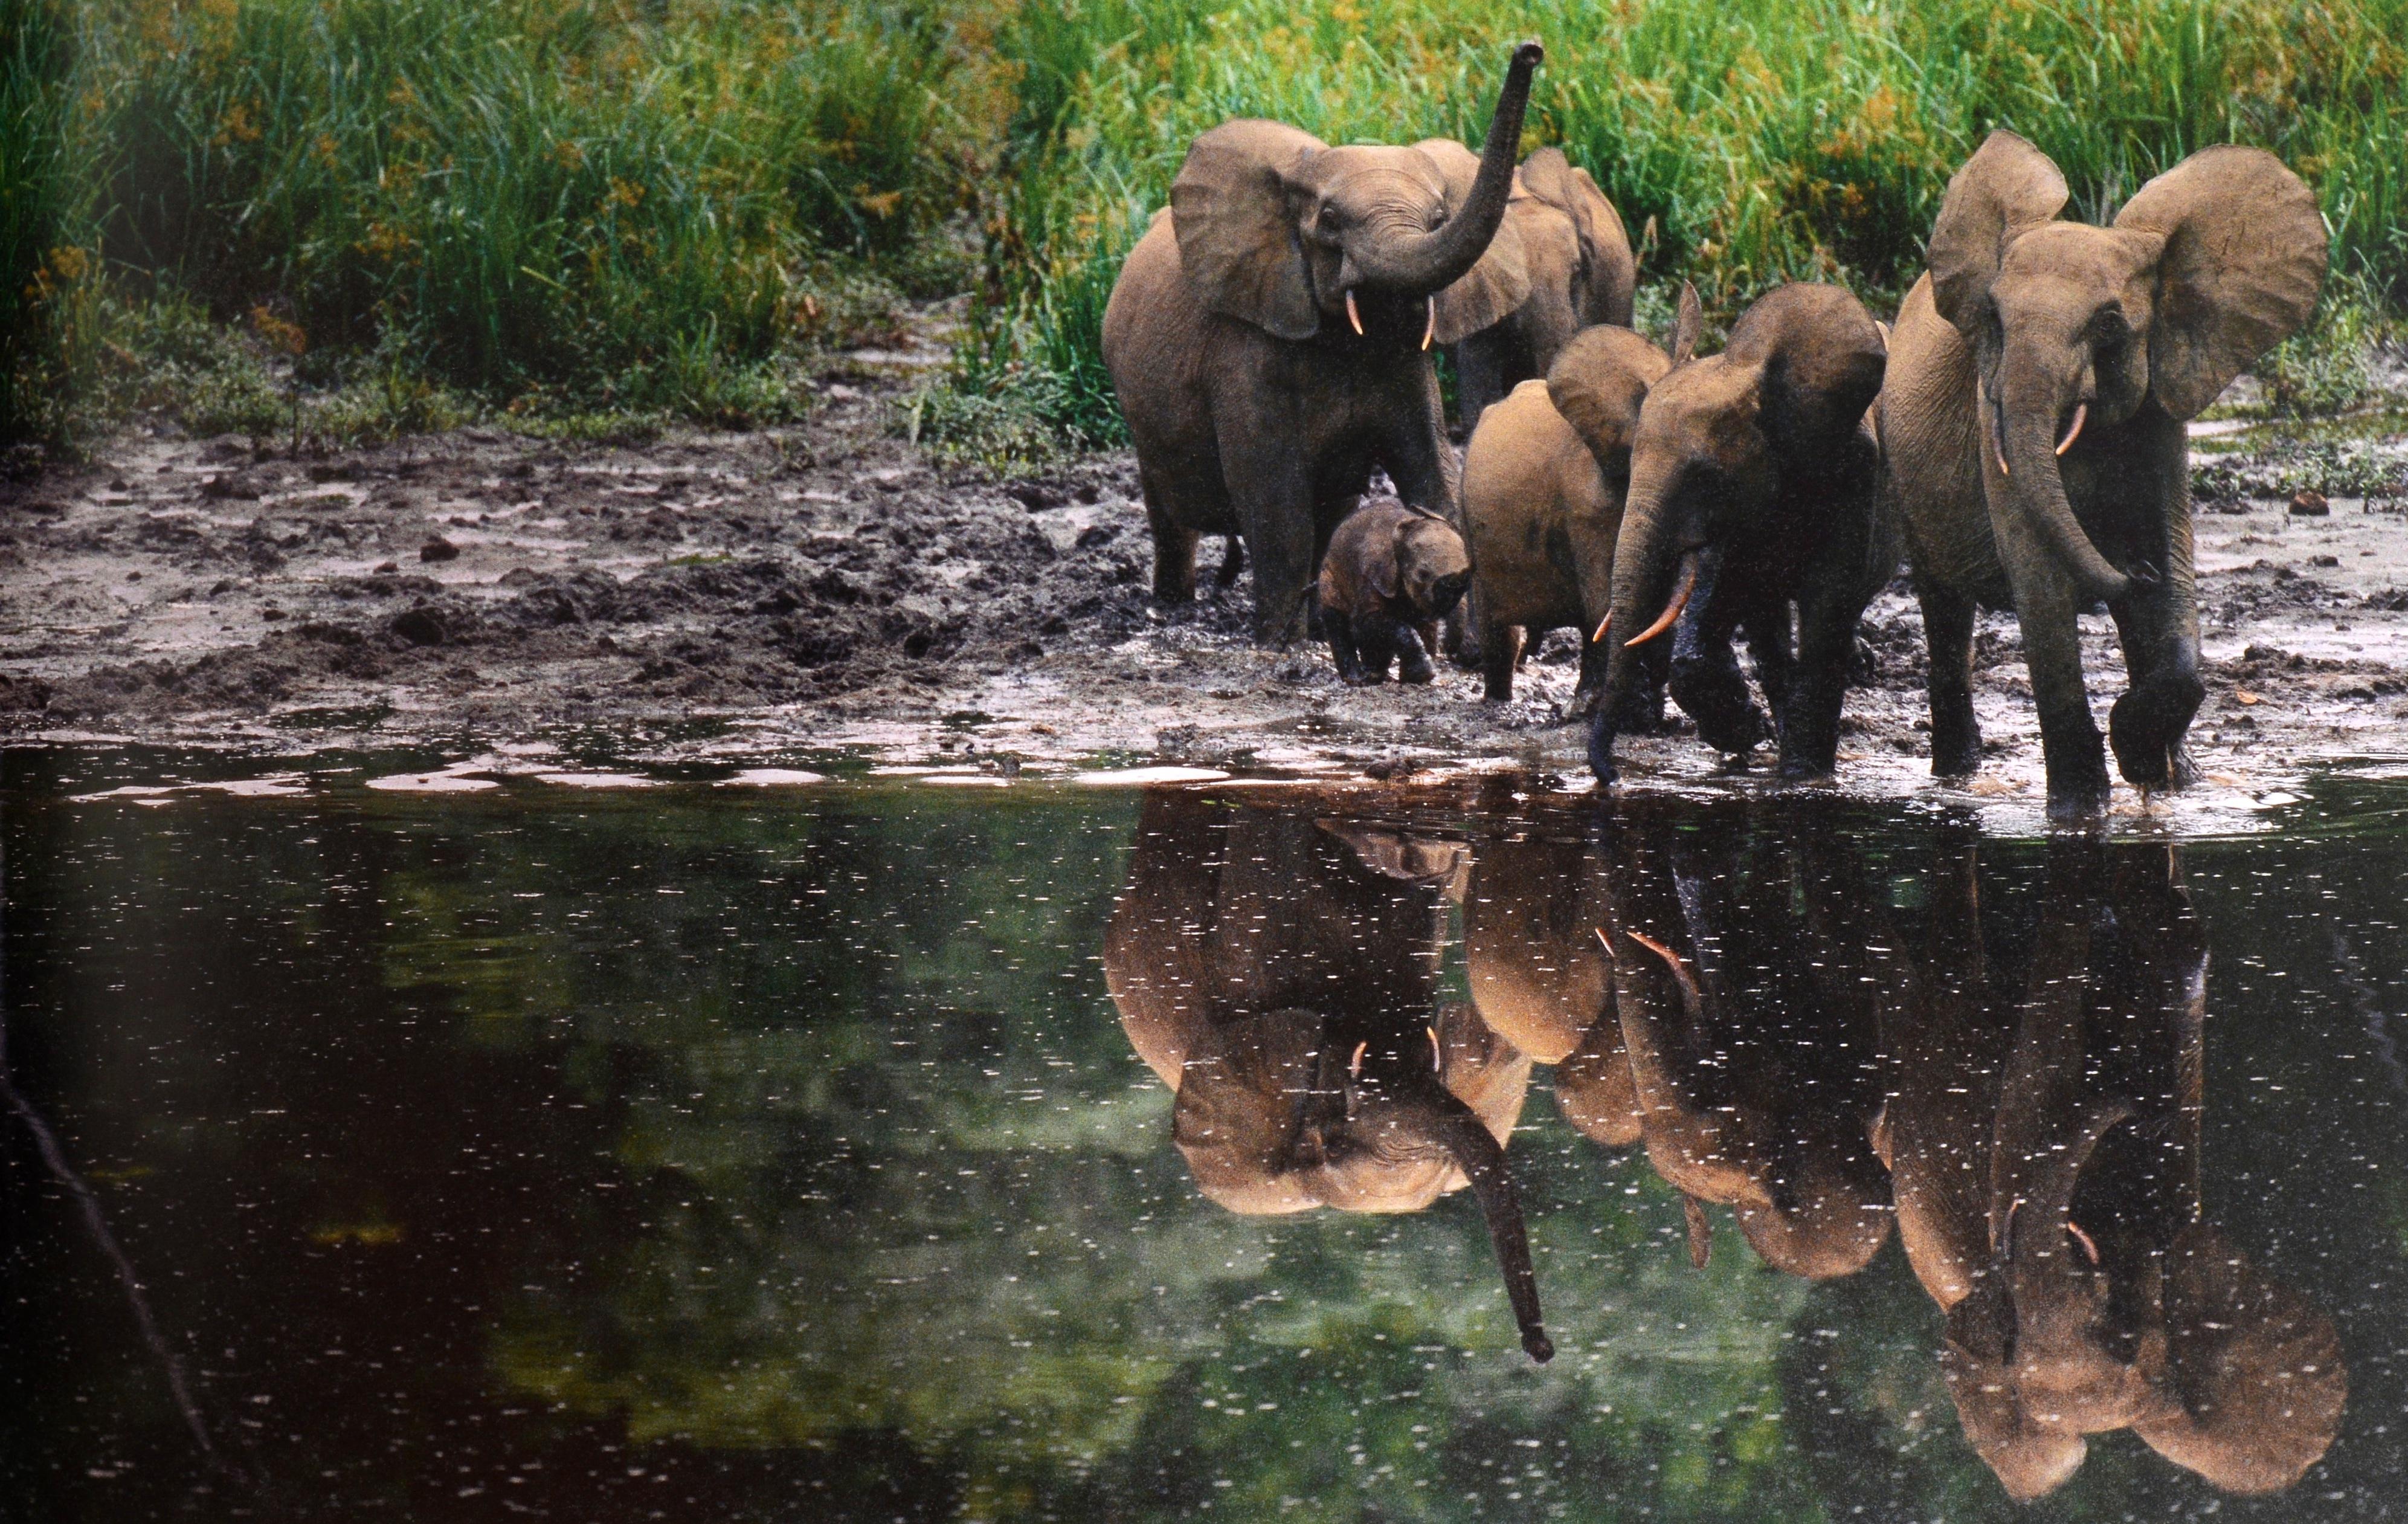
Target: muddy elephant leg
<point x="1643" y="707"/>
<point x="1500" y="651"/>
<point x="1174" y="545"/>
<point x="1270" y="488"/>
<point x="1376" y="640"/>
<point x="1948" y="634"/>
<point x="1413" y="642"/>
<point x="2072" y="750"/>
<point x="1340" y="631"/>
<point x="1819" y="687"/>
<point x="1769" y="651"/>
<point x="1706" y="681"/>
<point x="1233" y="560"/>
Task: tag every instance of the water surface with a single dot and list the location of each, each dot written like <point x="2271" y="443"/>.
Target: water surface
<point x="873" y="1151"/>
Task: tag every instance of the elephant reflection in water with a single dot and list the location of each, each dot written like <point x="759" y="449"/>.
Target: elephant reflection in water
<point x="1690" y="1007"/>
<point x="2045" y="1166"/>
<point x="1280" y="973"/>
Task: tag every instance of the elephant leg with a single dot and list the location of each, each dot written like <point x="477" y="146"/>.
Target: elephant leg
<point x="1819" y="687"/>
<point x="1375" y="637"/>
<point x="2072" y="750"/>
<point x="1174" y="547"/>
<point x="1233" y="561"/>
<point x="1642" y="707"/>
<point x="1500" y="651"/>
<point x="1948" y="634"/>
<point x="1706" y="680"/>
<point x="1270" y="487"/>
<point x="1769" y="650"/>
<point x="1467" y="631"/>
<point x="1340" y="631"/>
<point x="1478" y="377"/>
<point x="1412" y="653"/>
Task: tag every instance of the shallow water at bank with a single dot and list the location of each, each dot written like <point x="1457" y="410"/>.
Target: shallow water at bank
<point x="813" y="1151"/>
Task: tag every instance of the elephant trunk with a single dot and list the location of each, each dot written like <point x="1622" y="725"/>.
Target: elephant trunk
<point x="2022" y="424"/>
<point x="1477" y="1153"/>
<point x="1424" y="264"/>
<point x="1645" y="564"/>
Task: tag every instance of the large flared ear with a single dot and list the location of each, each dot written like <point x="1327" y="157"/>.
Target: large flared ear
<point x="1598" y="385"/>
<point x="1236" y="208"/>
<point x="2256" y="1369"/>
<point x="2007" y="188"/>
<point x="2244" y="257"/>
<point x="1481" y="1069"/>
<point x="1499" y="282"/>
<point x="1688" y="325"/>
<point x="1238" y="1110"/>
<point x="1605" y="244"/>
<point x="1822" y="358"/>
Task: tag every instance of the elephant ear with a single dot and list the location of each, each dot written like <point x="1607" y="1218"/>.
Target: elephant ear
<point x="1976" y="1362"/>
<point x="1235" y="208"/>
<point x="1238" y="1111"/>
<point x="2006" y="189"/>
<point x="1688" y="325"/>
<point x="2257" y="1371"/>
<point x="1499" y="282"/>
<point x="1598" y="383"/>
<point x="1823" y="359"/>
<point x="1604" y="243"/>
<point x="1481" y="1070"/>
<point x="1407" y="857"/>
<point x="2245" y="253"/>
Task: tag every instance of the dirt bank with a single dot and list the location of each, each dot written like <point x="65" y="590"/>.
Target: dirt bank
<point x="767" y="598"/>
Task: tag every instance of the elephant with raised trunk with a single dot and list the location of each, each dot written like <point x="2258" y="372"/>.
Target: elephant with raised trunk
<point x="2040" y="374"/>
<point x="1755" y="487"/>
<point x="1268" y="338"/>
<point x="2045" y="1163"/>
<point x="1281" y="973"/>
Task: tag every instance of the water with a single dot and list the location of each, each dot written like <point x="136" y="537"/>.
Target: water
<point x="804" y="1154"/>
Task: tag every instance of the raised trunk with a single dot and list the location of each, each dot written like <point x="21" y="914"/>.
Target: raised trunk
<point x="1482" y="1159"/>
<point x="1422" y="266"/>
<point x="2025" y="429"/>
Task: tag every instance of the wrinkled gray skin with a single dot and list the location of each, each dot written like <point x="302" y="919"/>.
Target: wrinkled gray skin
<point x="1750" y="1032"/>
<point x="2024" y="322"/>
<point x="1756" y="478"/>
<point x="1581" y="271"/>
<point x="1255" y="407"/>
<point x="1281" y="973"/>
<point x="2045" y="1161"/>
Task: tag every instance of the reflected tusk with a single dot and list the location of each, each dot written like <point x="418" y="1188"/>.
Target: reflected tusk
<point x="1429" y="329"/>
<point x="1671" y="609"/>
<point x="1671" y="960"/>
<point x="1438" y="1058"/>
<point x="2084" y="1239"/>
<point x="1354" y="1065"/>
<point x="1607" y="943"/>
<point x="1352" y="316"/>
<point x="1594" y="639"/>
<point x="2081" y="411"/>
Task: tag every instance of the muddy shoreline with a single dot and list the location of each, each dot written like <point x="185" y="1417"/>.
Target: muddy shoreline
<point x="764" y="599"/>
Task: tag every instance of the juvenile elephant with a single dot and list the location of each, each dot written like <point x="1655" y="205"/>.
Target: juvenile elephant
<point x="2040" y="376"/>
<point x="1752" y="1037"/>
<point x="1280" y="973"/>
<point x="1581" y="274"/>
<point x="1757" y="479"/>
<point x="2045" y="1161"/>
<point x="1391" y="573"/>
<point x="1543" y="484"/>
<point x="1267" y="337"/>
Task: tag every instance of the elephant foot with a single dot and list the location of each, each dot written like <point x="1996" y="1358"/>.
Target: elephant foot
<point x="1737" y="734"/>
<point x="1417" y="670"/>
<point x="1956" y="756"/>
<point x="1363" y="678"/>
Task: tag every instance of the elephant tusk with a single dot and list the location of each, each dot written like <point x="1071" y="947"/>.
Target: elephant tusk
<point x="2084" y="1239"/>
<point x="1354" y="1065"/>
<point x="1429" y="329"/>
<point x="1438" y="1055"/>
<point x="1671" y="960"/>
<point x="1352" y="315"/>
<point x="2081" y="411"/>
<point x="1671" y="609"/>
<point x="1597" y="638"/>
<point x="1607" y="943"/>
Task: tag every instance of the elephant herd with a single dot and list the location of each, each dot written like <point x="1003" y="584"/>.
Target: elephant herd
<point x="2017" y="436"/>
<point x="2012" y="1086"/>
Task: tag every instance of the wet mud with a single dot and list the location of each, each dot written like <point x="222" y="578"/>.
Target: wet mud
<point x="784" y="595"/>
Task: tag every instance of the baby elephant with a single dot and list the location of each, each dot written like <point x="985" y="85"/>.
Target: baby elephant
<point x="1392" y="574"/>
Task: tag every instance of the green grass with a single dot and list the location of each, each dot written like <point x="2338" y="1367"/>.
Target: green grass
<point x="582" y="210"/>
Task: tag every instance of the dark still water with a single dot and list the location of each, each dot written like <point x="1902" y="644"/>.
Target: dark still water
<point x="871" y="1152"/>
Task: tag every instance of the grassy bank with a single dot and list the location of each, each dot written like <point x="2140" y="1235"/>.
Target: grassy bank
<point x="394" y="213"/>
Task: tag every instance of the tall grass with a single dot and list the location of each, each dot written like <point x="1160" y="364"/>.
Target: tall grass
<point x="41" y="271"/>
<point x="1766" y="139"/>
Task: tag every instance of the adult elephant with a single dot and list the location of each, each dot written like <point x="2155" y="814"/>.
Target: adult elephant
<point x="2045" y="1163"/>
<point x="1756" y="478"/>
<point x="1280" y="973"/>
<point x="1581" y="272"/>
<point x="2040" y="376"/>
<point x="1267" y="337"/>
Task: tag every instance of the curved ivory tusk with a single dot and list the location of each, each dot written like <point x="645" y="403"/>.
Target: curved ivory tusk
<point x="1438" y="1055"/>
<point x="1671" y="960"/>
<point x="1429" y="329"/>
<point x="1352" y="316"/>
<point x="2081" y="411"/>
<point x="1671" y="610"/>
<point x="1354" y="1065"/>
<point x="1594" y="639"/>
<point x="2088" y="1247"/>
<point x="1607" y="943"/>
